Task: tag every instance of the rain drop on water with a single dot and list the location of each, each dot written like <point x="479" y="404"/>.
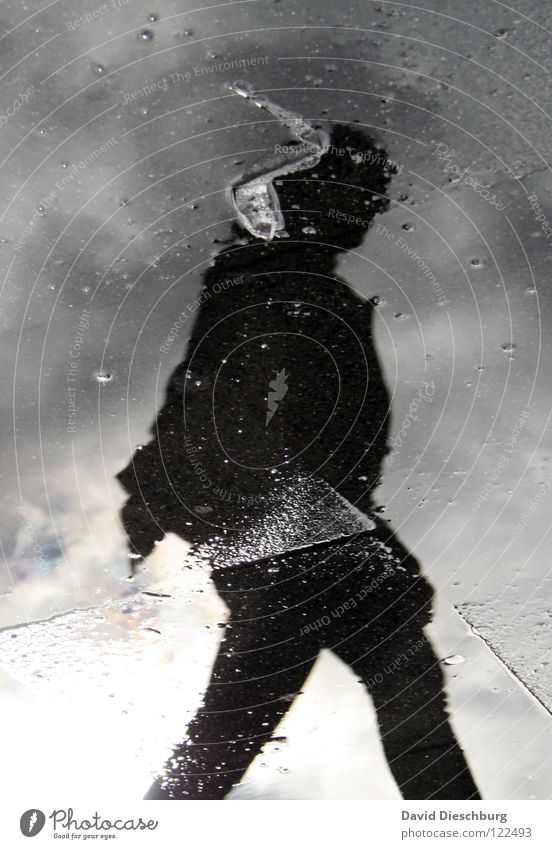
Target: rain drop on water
<point x="454" y="659"/>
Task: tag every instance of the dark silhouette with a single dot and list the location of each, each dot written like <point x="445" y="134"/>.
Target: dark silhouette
<point x="281" y="388"/>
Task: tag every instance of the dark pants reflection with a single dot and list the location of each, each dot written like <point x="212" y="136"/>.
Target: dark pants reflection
<point x="365" y="600"/>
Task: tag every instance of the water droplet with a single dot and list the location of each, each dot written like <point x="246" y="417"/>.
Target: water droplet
<point x="103" y="376"/>
<point x="309" y="231"/>
<point x="454" y="659"/>
<point x="477" y="263"/>
<point x="98" y="70"/>
<point x="64" y="164"/>
<point x="202" y="509"/>
<point x="123" y="202"/>
<point x="264" y="345"/>
<point x="153" y="18"/>
<point x="145" y="35"/>
<point x="408" y="226"/>
<point x="508" y="347"/>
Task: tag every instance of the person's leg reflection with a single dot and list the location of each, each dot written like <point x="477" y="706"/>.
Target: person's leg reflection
<point x="393" y="657"/>
<point x="260" y="668"/>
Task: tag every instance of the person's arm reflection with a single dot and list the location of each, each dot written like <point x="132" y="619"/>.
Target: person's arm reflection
<point x="278" y="332"/>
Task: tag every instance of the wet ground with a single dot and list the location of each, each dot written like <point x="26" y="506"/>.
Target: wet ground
<point x="121" y="140"/>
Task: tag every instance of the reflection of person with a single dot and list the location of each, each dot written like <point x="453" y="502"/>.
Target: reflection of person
<point x="280" y="377"/>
